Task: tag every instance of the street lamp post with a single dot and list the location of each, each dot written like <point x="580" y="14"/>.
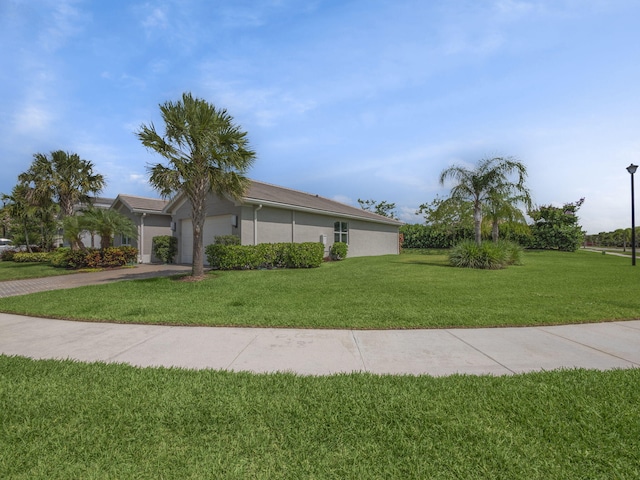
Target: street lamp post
<point x="632" y="169"/>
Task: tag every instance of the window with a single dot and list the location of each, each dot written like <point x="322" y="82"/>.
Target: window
<point x="341" y="232"/>
<point x="125" y="240"/>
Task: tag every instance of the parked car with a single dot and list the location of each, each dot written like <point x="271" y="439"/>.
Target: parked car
<point x="5" y="244"/>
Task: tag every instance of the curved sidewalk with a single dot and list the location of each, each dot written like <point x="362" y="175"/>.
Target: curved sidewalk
<point x="494" y="351"/>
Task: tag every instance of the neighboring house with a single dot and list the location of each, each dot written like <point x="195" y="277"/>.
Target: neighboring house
<point x="149" y="218"/>
<point x="272" y="214"/>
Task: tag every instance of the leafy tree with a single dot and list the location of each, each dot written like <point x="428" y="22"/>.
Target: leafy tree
<point x="206" y="153"/>
<point x="489" y="180"/>
<point x="107" y="223"/>
<point x="22" y="213"/>
<point x="381" y="208"/>
<point x="557" y="228"/>
<point x="451" y="216"/>
<point x="63" y="177"/>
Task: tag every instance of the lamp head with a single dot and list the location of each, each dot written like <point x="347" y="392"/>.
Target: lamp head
<point x="632" y="168"/>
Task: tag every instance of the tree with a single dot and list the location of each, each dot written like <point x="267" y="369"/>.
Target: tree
<point x="61" y="177"/>
<point x="73" y="227"/>
<point x="557" y="228"/>
<point x="206" y="153"/>
<point x="489" y="180"/>
<point x="381" y="208"/>
<point x="22" y="213"/>
<point x="107" y="223"/>
<point x="502" y="209"/>
<point x="450" y="216"/>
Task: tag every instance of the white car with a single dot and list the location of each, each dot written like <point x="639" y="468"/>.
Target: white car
<point x="5" y="244"/>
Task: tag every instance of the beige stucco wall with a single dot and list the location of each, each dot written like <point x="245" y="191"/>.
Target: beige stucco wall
<point x="276" y="225"/>
<point x="150" y="226"/>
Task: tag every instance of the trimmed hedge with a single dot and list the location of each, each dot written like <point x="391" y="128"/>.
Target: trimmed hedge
<point x="93" y="258"/>
<point x="265" y="255"/>
<point x="36" y="257"/>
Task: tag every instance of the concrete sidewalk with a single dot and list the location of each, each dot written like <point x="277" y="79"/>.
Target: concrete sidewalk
<point x="495" y="351"/>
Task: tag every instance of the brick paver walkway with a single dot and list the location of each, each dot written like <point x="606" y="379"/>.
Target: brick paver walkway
<point x="32" y="285"/>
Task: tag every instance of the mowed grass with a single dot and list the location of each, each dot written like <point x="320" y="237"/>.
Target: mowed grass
<point x="406" y="291"/>
<point x="62" y="419"/>
<point x="20" y="271"/>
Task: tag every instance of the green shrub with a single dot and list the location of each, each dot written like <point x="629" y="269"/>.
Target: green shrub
<point x="226" y="240"/>
<point x="265" y="255"/>
<point x="488" y="255"/>
<point x="92" y="258"/>
<point x="165" y="247"/>
<point x="339" y="251"/>
<point x="60" y="257"/>
<point x="36" y="257"/>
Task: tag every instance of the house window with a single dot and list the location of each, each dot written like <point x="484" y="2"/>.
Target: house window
<point x="341" y="232"/>
<point x="124" y="240"/>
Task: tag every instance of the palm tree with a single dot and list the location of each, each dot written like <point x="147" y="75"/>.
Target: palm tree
<point x="21" y="210"/>
<point x="488" y="181"/>
<point x="73" y="227"/>
<point x="206" y="153"/>
<point x="108" y="223"/>
<point x="505" y="209"/>
<point x="64" y="177"/>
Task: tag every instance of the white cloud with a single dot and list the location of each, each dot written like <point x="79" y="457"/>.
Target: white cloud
<point x="32" y="118"/>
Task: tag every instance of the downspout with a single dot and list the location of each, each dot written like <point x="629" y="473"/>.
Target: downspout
<point x="141" y="237"/>
<point x="255" y="224"/>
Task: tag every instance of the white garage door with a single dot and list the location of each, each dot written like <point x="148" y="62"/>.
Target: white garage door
<point x="213" y="226"/>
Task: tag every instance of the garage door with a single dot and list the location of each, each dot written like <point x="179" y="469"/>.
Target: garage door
<point x="213" y="226"/>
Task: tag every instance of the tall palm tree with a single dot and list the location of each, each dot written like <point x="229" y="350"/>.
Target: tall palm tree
<point x="64" y="177"/>
<point x="206" y="153"/>
<point x="108" y="223"/>
<point x="490" y="179"/>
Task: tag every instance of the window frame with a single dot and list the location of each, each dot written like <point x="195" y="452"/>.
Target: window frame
<point x="341" y="232"/>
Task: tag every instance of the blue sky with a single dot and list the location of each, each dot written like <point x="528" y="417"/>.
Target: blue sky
<point x="348" y="99"/>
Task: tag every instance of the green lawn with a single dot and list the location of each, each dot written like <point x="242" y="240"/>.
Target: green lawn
<point x="20" y="271"/>
<point x="62" y="420"/>
<point x="406" y="291"/>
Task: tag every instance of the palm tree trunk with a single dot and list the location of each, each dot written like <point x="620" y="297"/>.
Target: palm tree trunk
<point x="495" y="231"/>
<point x="199" y="214"/>
<point x="477" y="222"/>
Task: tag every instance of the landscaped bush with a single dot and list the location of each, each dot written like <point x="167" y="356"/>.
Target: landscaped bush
<point x="165" y="247"/>
<point x="265" y="255"/>
<point x="36" y="257"/>
<point x="488" y="255"/>
<point x="226" y="240"/>
<point x="94" y="258"/>
<point x="339" y="251"/>
<point x="60" y="257"/>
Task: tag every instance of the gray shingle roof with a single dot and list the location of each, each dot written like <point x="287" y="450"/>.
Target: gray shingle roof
<point x="260" y="192"/>
<point x="143" y="204"/>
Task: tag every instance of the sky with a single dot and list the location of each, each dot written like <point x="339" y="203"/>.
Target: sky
<point x="348" y="99"/>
